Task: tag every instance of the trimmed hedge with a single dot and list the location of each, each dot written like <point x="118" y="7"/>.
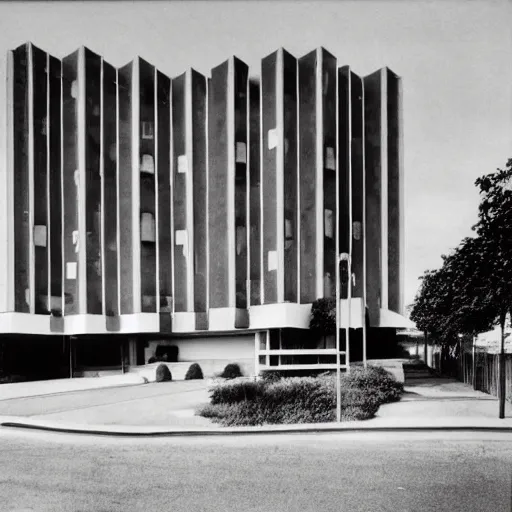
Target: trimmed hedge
<point x="194" y="372"/>
<point x="301" y="399"/>
<point x="163" y="373"/>
<point x="231" y="371"/>
<point x="377" y="381"/>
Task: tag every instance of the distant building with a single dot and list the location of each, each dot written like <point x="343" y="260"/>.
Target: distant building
<point x="201" y="212"/>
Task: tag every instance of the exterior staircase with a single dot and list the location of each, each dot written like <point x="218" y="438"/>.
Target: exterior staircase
<point x="417" y="371"/>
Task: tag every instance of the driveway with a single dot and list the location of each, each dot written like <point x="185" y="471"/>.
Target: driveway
<point x="159" y="403"/>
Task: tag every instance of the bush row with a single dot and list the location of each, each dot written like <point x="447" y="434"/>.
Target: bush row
<point x="301" y="399"/>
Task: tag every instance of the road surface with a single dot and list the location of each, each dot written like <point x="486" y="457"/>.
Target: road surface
<point x="353" y="472"/>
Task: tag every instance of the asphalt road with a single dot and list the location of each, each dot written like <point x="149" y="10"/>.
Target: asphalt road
<point x="370" y="472"/>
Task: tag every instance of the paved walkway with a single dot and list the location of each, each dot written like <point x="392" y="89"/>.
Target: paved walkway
<point x="156" y="408"/>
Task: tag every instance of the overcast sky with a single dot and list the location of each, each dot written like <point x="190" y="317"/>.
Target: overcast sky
<point x="455" y="58"/>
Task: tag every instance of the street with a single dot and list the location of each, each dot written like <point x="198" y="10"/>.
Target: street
<point x="353" y="472"/>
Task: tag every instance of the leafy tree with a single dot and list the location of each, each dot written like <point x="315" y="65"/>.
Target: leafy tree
<point x="323" y="317"/>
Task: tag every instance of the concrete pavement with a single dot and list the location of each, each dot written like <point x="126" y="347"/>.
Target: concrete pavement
<point x="169" y="409"/>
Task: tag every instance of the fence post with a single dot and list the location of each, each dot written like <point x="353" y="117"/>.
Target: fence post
<point x="473" y="364"/>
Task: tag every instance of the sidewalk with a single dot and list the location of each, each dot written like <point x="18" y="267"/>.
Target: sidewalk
<point x="50" y="387"/>
<point x="169" y="409"/>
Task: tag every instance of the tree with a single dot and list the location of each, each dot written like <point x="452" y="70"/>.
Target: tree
<point x="323" y="317"/>
<point x="495" y="227"/>
<point x="472" y="291"/>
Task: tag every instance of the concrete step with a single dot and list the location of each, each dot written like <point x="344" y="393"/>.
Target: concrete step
<point x="418" y="371"/>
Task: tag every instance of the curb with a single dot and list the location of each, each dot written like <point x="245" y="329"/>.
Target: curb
<point x="245" y="431"/>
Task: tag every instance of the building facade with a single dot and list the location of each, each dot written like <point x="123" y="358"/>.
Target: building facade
<point x="202" y="212"/>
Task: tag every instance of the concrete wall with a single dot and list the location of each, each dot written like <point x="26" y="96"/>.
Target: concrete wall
<point x="212" y="353"/>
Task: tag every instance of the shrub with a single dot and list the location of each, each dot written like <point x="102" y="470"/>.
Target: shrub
<point x="300" y="399"/>
<point x="231" y="371"/>
<point x="375" y="381"/>
<point x="152" y="360"/>
<point x="194" y="372"/>
<point x="271" y="375"/>
<point x="163" y="373"/>
<point x="236" y="391"/>
<point x="214" y="412"/>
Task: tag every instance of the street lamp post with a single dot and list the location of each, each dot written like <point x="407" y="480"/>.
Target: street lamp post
<point x="346" y="277"/>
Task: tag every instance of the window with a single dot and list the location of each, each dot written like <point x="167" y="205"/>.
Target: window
<point x="328" y="224"/>
<point x="40" y="236"/>
<point x="147" y="227"/>
<point x="330" y="160"/>
<point x="181" y="238"/>
<point x="147" y="164"/>
<point x="241" y="153"/>
<point x="240" y="239"/>
<point x="272" y="138"/>
<point x="288" y="233"/>
<point x="182" y="163"/>
<point x="147" y="130"/>
<point x="356" y="230"/>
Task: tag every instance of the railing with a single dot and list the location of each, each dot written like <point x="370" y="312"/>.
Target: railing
<point x="267" y="353"/>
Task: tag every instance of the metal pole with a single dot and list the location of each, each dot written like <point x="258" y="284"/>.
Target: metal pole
<point x="349" y="297"/>
<point x="338" y="370"/>
<point x="70" y="357"/>
<point x="501" y="373"/>
<point x="365" y="364"/>
<point x="473" y="363"/>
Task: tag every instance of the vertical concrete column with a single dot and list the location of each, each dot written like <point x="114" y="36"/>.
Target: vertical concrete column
<point x="163" y="88"/>
<point x="279" y="201"/>
<point x="318" y="165"/>
<point x="227" y="185"/>
<point x="395" y="192"/>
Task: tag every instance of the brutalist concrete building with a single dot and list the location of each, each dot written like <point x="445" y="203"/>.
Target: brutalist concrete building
<point x="204" y="212"/>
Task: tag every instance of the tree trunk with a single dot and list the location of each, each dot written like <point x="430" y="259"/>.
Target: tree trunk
<point x="501" y="375"/>
<point x="425" y="350"/>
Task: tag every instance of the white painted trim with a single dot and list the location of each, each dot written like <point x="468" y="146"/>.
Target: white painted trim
<point x="189" y="194"/>
<point x="301" y="352"/>
<point x="363" y="227"/>
<point x="384" y="187"/>
<point x="184" y="322"/>
<point x="248" y="286"/>
<point x="280" y="173"/>
<point x="81" y="167"/>
<point x="156" y="202"/>
<point x="280" y="315"/>
<point x="48" y="195"/>
<point x="231" y="170"/>
<point x="319" y="176"/>
<point x="136" y="264"/>
<point x="118" y="206"/>
<point x="297" y="233"/>
<point x="31" y="248"/>
<point x="207" y="168"/>
<point x="401" y="196"/>
<point x="262" y="141"/>
<point x="331" y="366"/>
<point x="62" y="214"/>
<point x="102" y="185"/>
<point x="9" y="189"/>
<point x="171" y="191"/>
<point x="350" y="182"/>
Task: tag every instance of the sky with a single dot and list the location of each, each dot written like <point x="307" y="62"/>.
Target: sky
<point x="455" y="59"/>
